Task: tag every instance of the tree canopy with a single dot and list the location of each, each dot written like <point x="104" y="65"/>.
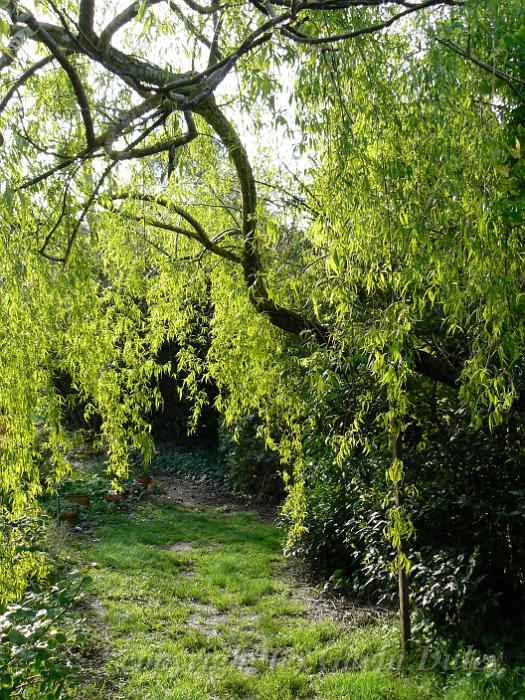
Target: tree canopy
<point x="136" y="209"/>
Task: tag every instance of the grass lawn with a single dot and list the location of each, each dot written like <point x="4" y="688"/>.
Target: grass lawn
<point x="195" y="605"/>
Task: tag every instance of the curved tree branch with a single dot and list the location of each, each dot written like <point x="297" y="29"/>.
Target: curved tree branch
<point x="162" y="202"/>
<point x="158" y="147"/>
<point x="207" y="243"/>
<point x="280" y="316"/>
<point x="73" y="76"/>
<point x="126" y="16"/>
<point x="23" y="79"/>
<point x="86" y="18"/>
<point x="198" y="234"/>
<point x="371" y="29"/>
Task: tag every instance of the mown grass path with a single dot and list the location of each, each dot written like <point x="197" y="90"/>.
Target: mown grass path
<point x="196" y="605"/>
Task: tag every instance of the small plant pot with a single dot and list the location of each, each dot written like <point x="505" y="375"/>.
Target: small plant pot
<point x="112" y="497"/>
<point x="69" y="516"/>
<point x="144" y="481"/>
<point x="81" y="499"/>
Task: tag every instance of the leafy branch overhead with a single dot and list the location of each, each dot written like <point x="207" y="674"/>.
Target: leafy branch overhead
<point x="117" y="106"/>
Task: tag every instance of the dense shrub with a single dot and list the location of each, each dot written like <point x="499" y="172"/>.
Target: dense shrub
<point x="469" y="515"/>
<point x="466" y="502"/>
<point x="41" y="630"/>
<point x="343" y="532"/>
<point x="196" y="462"/>
<point x="39" y="638"/>
<point x="241" y="465"/>
<point x="252" y="467"/>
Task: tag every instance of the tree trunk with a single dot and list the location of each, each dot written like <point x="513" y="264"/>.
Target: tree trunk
<point x="402" y="578"/>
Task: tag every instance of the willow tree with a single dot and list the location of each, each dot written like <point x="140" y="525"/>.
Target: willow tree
<point x="131" y="202"/>
<point x="420" y="191"/>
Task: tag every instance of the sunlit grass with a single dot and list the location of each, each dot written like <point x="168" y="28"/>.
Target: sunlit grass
<point x="196" y="606"/>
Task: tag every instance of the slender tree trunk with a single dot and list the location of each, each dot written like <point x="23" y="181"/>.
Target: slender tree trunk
<point x="402" y="578"/>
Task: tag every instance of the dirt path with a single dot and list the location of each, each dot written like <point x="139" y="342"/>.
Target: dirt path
<point x="200" y="493"/>
<point x="193" y="600"/>
<point x="320" y="604"/>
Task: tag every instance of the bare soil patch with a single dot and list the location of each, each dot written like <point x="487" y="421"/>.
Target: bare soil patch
<point x="180" y="547"/>
<point x="201" y="493"/>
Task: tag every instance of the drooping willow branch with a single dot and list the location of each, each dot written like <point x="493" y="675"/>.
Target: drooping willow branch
<point x="196" y="233"/>
<point x="165" y="91"/>
<point x="213" y="45"/>
<point x="508" y="80"/>
<point x="22" y="80"/>
<point x="371" y="29"/>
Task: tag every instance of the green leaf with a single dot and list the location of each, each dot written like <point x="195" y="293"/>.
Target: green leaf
<point x="142" y="10"/>
<point x="8" y="198"/>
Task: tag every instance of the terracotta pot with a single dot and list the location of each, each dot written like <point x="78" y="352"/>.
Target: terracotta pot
<point x="82" y="499"/>
<point x="144" y="480"/>
<point x="112" y="497"/>
<point x="69" y="516"/>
